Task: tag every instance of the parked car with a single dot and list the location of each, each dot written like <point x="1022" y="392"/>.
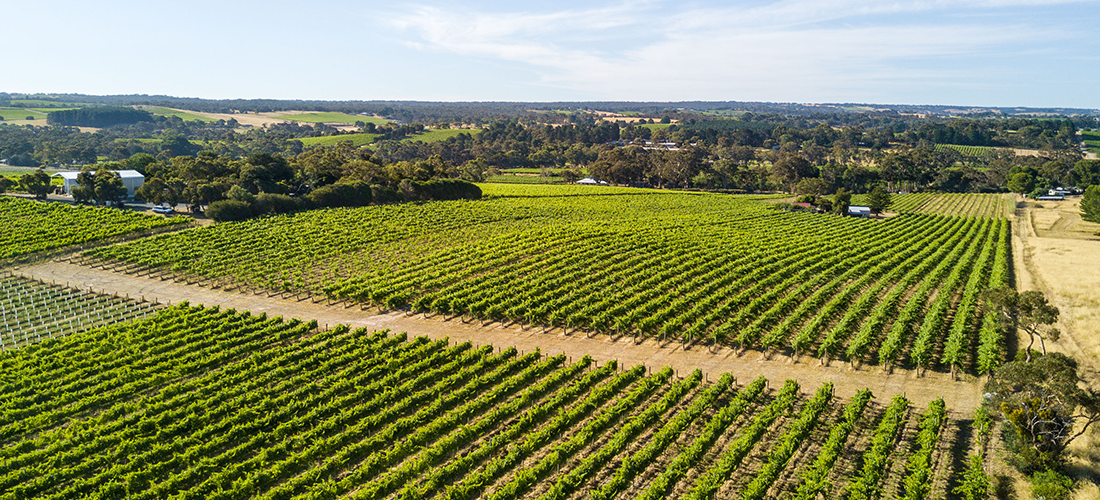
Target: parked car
<point x="161" y="209"/>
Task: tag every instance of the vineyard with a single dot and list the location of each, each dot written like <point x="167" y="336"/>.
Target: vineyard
<point x="29" y="226"/>
<point x="688" y="267"/>
<point x="967" y="150"/>
<point x="32" y="311"/>
<point x="218" y="404"/>
<point x="954" y="204"/>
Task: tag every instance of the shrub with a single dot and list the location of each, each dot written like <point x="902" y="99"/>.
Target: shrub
<point x="350" y="194"/>
<point x="446" y="189"/>
<point x="271" y="204"/>
<point x="229" y="210"/>
<point x="1051" y="485"/>
<point x="383" y="194"/>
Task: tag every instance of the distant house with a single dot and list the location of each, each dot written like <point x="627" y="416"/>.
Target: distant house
<point x="132" y="179"/>
<point x="859" y="211"/>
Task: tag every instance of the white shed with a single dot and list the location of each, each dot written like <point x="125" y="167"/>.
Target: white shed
<point x="859" y="211"/>
<point x="132" y="179"/>
<point x="70" y="180"/>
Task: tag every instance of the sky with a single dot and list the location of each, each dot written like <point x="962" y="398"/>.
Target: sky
<point x="1033" y="53"/>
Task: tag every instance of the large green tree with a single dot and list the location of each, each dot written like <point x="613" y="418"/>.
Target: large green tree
<point x="878" y="200"/>
<point x="1045" y="405"/>
<point x="841" y="201"/>
<point x="1090" y="204"/>
<point x="1028" y="311"/>
<point x="36" y="183"/>
<point x="1021" y="183"/>
<point x="109" y="187"/>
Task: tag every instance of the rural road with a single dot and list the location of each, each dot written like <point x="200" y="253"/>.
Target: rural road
<point x="960" y="396"/>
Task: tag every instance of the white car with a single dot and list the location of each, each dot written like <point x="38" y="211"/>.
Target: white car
<point x="160" y="209"/>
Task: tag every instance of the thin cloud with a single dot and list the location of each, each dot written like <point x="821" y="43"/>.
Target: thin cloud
<point x="708" y="52"/>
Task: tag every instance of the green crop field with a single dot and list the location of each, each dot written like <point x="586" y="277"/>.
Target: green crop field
<point x="210" y="403"/>
<point x="655" y="126"/>
<point x="356" y="139"/>
<point x="695" y="267"/>
<point x="28" y="226"/>
<point x="440" y="134"/>
<point x="183" y="115"/>
<point x="332" y="118"/>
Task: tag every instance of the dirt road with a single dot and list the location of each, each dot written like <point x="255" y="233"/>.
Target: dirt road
<point x="961" y="396"/>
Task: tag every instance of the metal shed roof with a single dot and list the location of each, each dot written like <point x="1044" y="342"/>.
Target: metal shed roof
<point x="125" y="174"/>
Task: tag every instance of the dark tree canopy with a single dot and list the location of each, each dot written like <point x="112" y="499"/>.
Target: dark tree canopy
<point x="1045" y="405"/>
<point x="1090" y="204"/>
<point x="107" y="116"/>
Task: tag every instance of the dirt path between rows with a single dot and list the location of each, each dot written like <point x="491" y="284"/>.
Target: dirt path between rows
<point x="961" y="396"/>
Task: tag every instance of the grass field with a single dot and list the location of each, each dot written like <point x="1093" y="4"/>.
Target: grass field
<point x="20" y="114"/>
<point x="356" y="139"/>
<point x="332" y="118"/>
<point x="655" y="126"/>
<point x="693" y="267"/>
<point x="183" y="115"/>
<point x="214" y="403"/>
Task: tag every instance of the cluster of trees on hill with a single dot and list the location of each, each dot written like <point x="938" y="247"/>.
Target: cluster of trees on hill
<point x="1017" y="133"/>
<point x="106" y="116"/>
<point x="753" y="151"/>
<point x="263" y="183"/>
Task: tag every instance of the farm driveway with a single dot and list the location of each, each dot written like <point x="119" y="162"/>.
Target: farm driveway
<point x="960" y="396"/>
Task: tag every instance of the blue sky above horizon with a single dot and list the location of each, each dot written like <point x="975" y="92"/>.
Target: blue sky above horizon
<point x="1034" y="53"/>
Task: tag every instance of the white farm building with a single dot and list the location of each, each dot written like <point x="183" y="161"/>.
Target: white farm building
<point x="132" y="179"/>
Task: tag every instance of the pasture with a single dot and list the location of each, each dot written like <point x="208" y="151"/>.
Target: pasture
<point x="17" y="115"/>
